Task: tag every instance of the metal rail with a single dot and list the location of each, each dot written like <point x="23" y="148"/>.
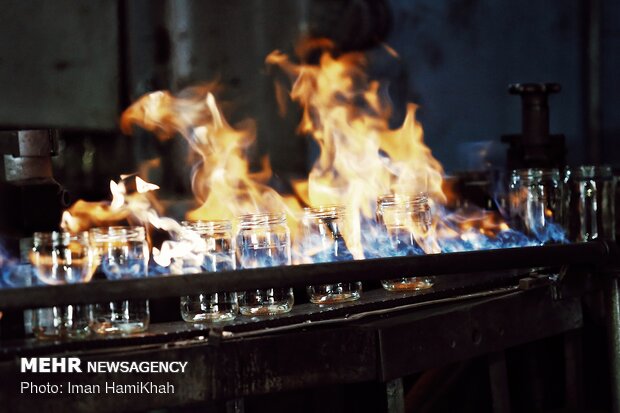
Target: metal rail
<point x="593" y="253"/>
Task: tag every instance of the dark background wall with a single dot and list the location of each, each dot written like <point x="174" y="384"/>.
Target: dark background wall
<point x="610" y="82"/>
<point x="456" y="59"/>
<point x="461" y="55"/>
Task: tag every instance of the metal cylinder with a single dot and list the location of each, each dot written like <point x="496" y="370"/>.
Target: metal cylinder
<point x="27" y="153"/>
<point x="20" y="168"/>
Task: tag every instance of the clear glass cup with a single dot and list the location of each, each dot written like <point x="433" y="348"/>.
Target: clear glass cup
<point x="322" y="241"/>
<point x="123" y="253"/>
<point x="62" y="258"/>
<point x="537" y="202"/>
<point x="217" y="245"/>
<point x="408" y="221"/>
<point x="591" y="203"/>
<point x="264" y="240"/>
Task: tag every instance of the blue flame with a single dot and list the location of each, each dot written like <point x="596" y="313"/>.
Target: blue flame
<point x="123" y="268"/>
<point x="156" y="270"/>
<point x="377" y="243"/>
<point x="14" y="274"/>
<point x="260" y="257"/>
<point x="320" y="249"/>
<point x="218" y="261"/>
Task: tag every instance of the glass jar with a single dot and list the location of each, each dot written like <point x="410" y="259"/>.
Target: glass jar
<point x="408" y="221"/>
<point x="219" y="255"/>
<point x="62" y="258"/>
<point x="123" y="254"/>
<point x="264" y="240"/>
<point x="322" y="241"/>
<point x="536" y="203"/>
<point x="591" y="205"/>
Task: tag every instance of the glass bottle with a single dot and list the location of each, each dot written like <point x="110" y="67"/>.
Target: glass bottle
<point x="322" y="241"/>
<point x="408" y="221"/>
<point x="62" y="258"/>
<point x="219" y="255"/>
<point x="123" y="253"/>
<point x="264" y="240"/>
<point x="591" y="203"/>
<point x="537" y="203"/>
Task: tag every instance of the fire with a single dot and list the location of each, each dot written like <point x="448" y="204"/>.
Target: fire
<point x="129" y="198"/>
<point x="222" y="181"/>
<point x="133" y="203"/>
<point x="361" y="158"/>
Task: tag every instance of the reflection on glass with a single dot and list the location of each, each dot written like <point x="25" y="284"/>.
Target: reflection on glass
<point x="218" y="254"/>
<point x="591" y="205"/>
<point x="408" y="221"/>
<point x="264" y="240"/>
<point x="322" y="241"/>
<point x="62" y="258"/>
<point x="123" y="253"/>
<point x="536" y="202"/>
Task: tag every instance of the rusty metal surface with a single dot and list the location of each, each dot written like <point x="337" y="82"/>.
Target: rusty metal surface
<point x="235" y="368"/>
<point x="381" y="349"/>
<point x="414" y="342"/>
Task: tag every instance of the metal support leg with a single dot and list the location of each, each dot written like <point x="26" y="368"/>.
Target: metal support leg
<point x="535" y="382"/>
<point x="573" y="359"/>
<point x="395" y="396"/>
<point x="498" y="376"/>
<point x="612" y="303"/>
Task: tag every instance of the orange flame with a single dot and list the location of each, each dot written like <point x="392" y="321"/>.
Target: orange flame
<point x="222" y="181"/>
<point x="360" y="158"/>
<point x="129" y="199"/>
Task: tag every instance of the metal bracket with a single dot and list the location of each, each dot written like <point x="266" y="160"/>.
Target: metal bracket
<point x="557" y="282"/>
<point x="553" y="280"/>
<point x="216" y="334"/>
<point x="534" y="280"/>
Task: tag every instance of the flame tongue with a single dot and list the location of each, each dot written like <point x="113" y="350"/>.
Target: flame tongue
<point x="360" y="158"/>
<point x="222" y="181"/>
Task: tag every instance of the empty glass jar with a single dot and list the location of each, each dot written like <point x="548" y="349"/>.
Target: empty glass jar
<point x="537" y="203"/>
<point x="219" y="255"/>
<point x="264" y="240"/>
<point x="123" y="253"/>
<point x="62" y="258"/>
<point x="322" y="241"/>
<point x="408" y="221"/>
<point x="591" y="205"/>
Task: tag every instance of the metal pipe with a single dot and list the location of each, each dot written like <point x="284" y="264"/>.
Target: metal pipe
<point x="612" y="302"/>
<point x="592" y="253"/>
<point x="592" y="56"/>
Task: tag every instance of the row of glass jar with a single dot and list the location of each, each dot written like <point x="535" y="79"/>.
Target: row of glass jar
<point x="577" y="204"/>
<point x="263" y="240"/>
<point x="67" y="258"/>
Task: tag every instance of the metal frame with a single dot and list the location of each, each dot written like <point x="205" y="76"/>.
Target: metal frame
<point x="379" y="340"/>
<point x="379" y="348"/>
<point x="596" y="254"/>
